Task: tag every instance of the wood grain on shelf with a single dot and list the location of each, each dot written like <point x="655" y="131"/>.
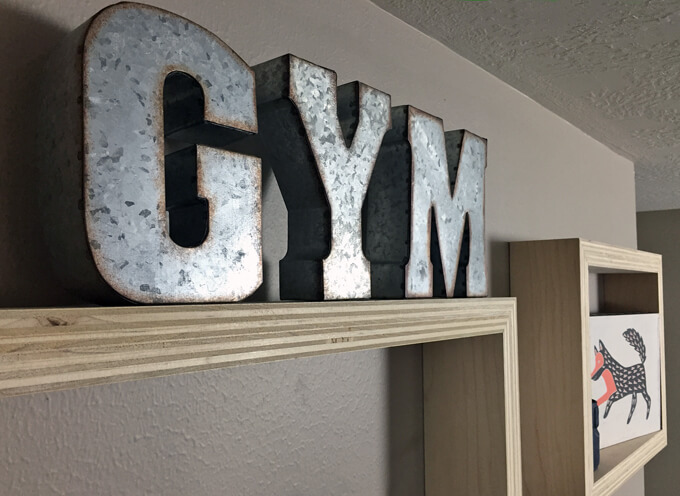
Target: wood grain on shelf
<point x="603" y="256"/>
<point x="638" y="289"/>
<point x="550" y="280"/>
<point x="50" y="349"/>
<point x="618" y="462"/>
<point x="471" y="412"/>
<point x="467" y="417"/>
<point x="546" y="280"/>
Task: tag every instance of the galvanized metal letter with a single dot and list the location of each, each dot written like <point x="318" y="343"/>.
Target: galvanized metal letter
<point x="439" y="159"/>
<point x="387" y="211"/>
<point x="344" y="171"/>
<point x="129" y="50"/>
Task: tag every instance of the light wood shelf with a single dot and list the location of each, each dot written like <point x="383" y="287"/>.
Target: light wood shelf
<point x="471" y="399"/>
<point x="551" y="282"/>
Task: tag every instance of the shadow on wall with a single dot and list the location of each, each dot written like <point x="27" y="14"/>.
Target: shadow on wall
<point x="24" y="266"/>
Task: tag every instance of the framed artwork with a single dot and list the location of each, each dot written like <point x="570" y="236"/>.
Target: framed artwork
<point x="626" y="375"/>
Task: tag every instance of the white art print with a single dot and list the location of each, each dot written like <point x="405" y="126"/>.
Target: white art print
<point x="626" y="375"/>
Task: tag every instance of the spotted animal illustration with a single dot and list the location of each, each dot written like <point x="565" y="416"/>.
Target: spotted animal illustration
<point x="622" y="381"/>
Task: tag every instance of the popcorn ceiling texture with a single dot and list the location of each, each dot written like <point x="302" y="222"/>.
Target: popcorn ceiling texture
<point x="340" y="425"/>
<point x="611" y="68"/>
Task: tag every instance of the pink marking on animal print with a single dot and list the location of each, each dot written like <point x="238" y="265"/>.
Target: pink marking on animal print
<point x="606" y="375"/>
<point x="611" y="387"/>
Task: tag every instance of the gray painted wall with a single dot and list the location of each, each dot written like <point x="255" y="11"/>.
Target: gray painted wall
<point x="347" y="424"/>
<point x="659" y="232"/>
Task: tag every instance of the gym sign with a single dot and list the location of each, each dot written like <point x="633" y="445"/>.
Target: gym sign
<point x="155" y="136"/>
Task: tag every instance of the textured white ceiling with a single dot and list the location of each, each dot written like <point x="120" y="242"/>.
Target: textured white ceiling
<point x="612" y="68"/>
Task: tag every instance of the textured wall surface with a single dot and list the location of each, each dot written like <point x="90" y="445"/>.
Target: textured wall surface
<point x="659" y="232"/>
<point x="350" y="424"/>
<point x="610" y="67"/>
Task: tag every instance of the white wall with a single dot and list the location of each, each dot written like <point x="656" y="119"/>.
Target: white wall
<point x="659" y="232"/>
<point x="348" y="424"/>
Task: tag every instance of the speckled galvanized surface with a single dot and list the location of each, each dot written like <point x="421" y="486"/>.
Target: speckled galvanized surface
<point x="430" y="190"/>
<point x="322" y="142"/>
<point x="344" y="171"/>
<point x="129" y="50"/>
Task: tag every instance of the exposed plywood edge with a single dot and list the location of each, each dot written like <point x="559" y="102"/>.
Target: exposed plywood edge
<point x="604" y="256"/>
<point x="513" y="450"/>
<point x="551" y="280"/>
<point x="641" y="291"/>
<point x="51" y="349"/>
<point x="471" y="408"/>
<point x="625" y="460"/>
<point x="662" y="344"/>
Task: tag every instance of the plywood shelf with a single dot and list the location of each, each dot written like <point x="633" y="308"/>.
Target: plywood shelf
<point x="622" y="459"/>
<point x="551" y="282"/>
<point x="51" y="349"/>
